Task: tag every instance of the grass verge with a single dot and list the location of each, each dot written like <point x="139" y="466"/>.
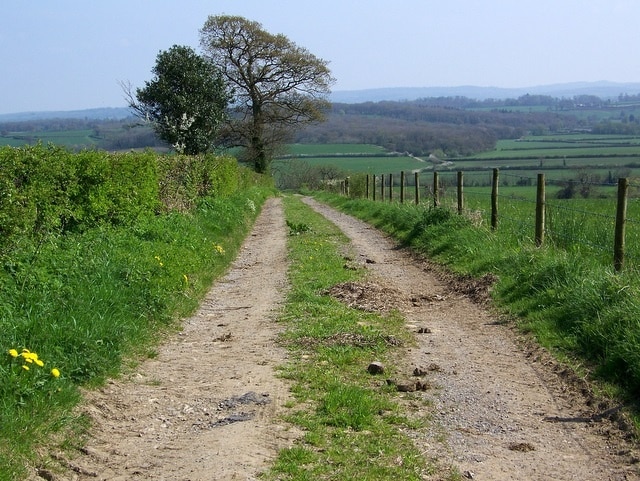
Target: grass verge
<point x="351" y="419"/>
<point x="88" y="302"/>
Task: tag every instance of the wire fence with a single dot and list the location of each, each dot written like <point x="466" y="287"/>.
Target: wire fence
<point x="601" y="220"/>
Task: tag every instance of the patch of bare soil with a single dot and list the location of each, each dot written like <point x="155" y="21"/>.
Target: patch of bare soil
<point x="207" y="407"/>
<point x="500" y="408"/>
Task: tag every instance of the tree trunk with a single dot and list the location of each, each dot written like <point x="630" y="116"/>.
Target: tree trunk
<point x="257" y="150"/>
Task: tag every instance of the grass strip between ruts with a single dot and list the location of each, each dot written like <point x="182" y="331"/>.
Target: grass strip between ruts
<point x="351" y="420"/>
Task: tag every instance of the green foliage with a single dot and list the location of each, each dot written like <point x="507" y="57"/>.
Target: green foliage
<point x="48" y="191"/>
<point x="114" y="188"/>
<point x="573" y="303"/>
<point x="185" y="178"/>
<point x="358" y="185"/>
<point x="186" y="100"/>
<point x="297" y="228"/>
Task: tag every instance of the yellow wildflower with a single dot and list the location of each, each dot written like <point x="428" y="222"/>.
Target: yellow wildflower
<point x="13" y="353"/>
<point x="55" y="373"/>
<point x="186" y="279"/>
<point x="39" y="362"/>
<point x="29" y="356"/>
<point x="26" y="368"/>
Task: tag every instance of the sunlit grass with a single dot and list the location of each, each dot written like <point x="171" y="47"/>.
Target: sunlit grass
<point x="352" y="422"/>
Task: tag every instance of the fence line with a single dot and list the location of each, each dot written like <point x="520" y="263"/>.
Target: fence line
<point x="543" y="221"/>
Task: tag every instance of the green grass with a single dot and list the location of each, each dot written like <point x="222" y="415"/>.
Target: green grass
<point x="571" y="301"/>
<point x="371" y="165"/>
<point x="68" y="138"/>
<point x="351" y="420"/>
<point x="88" y="302"/>
<point x="314" y="150"/>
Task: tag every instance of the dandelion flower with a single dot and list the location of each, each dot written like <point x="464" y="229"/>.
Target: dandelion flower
<point x="39" y="362"/>
<point x="13" y="353"/>
<point x="25" y="367"/>
<point x="29" y="356"/>
<point x="55" y="373"/>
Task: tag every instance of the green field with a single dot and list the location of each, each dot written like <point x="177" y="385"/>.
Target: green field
<point x="351" y="158"/>
<point x="318" y="150"/>
<point x="612" y="114"/>
<point x="560" y="156"/>
<point x="67" y="138"/>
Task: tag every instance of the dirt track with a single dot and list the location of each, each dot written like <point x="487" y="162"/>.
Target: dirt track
<point x="206" y="408"/>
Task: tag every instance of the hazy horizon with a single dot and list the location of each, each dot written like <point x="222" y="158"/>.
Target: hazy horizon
<point x="603" y="89"/>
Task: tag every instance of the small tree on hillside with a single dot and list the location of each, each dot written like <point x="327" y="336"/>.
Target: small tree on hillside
<point x="186" y="101"/>
<point x="279" y="85"/>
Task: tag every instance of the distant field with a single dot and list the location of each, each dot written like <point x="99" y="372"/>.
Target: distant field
<point x="317" y="150"/>
<point x="369" y="165"/>
<point x="589" y="114"/>
<point x="68" y="138"/>
<point x="352" y="158"/>
<point x="561" y="157"/>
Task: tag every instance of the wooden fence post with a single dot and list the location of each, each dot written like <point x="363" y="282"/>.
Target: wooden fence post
<point x="494" y="200"/>
<point x="382" y="187"/>
<point x="373" y="187"/>
<point x="416" y="177"/>
<point x="621" y="219"/>
<point x="402" y="186"/>
<point x="460" y="193"/>
<point x="436" y="194"/>
<point x="390" y="187"/>
<point x="367" y="188"/>
<point x="346" y="186"/>
<point x="540" y="210"/>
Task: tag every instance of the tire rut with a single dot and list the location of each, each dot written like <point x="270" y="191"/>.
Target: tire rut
<point x="499" y="408"/>
<point x="207" y="406"/>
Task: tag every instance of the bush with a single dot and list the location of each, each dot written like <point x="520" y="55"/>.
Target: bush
<point x="47" y="190"/>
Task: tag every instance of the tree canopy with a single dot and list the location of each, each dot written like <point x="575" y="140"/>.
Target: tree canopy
<point x="278" y="86"/>
<point x="186" y="101"/>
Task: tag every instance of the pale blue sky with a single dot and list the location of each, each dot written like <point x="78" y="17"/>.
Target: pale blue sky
<point x="70" y="54"/>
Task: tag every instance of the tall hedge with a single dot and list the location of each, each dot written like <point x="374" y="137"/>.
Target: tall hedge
<point x="48" y="190"/>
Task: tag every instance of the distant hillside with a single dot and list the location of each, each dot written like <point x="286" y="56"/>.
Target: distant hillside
<point x="604" y="90"/>
<point x="107" y="113"/>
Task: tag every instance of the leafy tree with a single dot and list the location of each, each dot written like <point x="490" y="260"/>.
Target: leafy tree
<point x="279" y="86"/>
<point x="186" y="101"/>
